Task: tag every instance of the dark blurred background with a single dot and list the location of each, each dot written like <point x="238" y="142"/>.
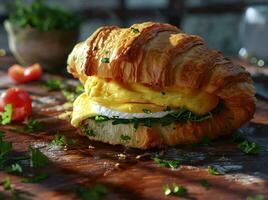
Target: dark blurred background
<point x="215" y="20"/>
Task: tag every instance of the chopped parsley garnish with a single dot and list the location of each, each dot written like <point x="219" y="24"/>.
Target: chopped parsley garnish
<point x="5" y="147"/>
<point x="213" y="170"/>
<point x="36" y="179"/>
<point x="135" y="30"/>
<point x="79" y="89"/>
<point x="33" y="125"/>
<point x="93" y="193"/>
<point x="168" y="163"/>
<point x="105" y="60"/>
<point x="70" y="96"/>
<point x="258" y="197"/>
<point x="147" y="111"/>
<point x="88" y="132"/>
<point x="249" y="147"/>
<point x="59" y="140"/>
<point x="100" y="118"/>
<point x="125" y="137"/>
<point x="37" y="158"/>
<point x="91" y="133"/>
<point x="204" y="183"/>
<point x="176" y="190"/>
<point x="6" y="115"/>
<point x="14" y="168"/>
<point x="54" y="84"/>
<point x="7" y="183"/>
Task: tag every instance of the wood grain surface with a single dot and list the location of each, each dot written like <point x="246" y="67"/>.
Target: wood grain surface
<point x="131" y="173"/>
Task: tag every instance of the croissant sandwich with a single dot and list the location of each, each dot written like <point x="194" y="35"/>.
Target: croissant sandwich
<point x="151" y="85"/>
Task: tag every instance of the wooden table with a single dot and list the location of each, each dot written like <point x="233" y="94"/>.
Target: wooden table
<point x="125" y="175"/>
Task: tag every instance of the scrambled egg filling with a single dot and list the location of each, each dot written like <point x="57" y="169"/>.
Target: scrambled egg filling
<point x="135" y="97"/>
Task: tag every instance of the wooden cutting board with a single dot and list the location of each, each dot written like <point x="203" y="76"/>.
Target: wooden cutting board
<point x="131" y="173"/>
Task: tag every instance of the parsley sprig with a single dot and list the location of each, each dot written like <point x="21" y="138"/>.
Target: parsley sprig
<point x="204" y="183"/>
<point x="6" y="115"/>
<point x="125" y="137"/>
<point x="37" y="158"/>
<point x="33" y="125"/>
<point x="42" y="17"/>
<point x="7" y="183"/>
<point x="54" y="84"/>
<point x="168" y="163"/>
<point x="249" y="147"/>
<point x="61" y="140"/>
<point x="176" y="190"/>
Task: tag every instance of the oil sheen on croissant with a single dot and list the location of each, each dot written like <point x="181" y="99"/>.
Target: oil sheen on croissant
<point x="158" y="86"/>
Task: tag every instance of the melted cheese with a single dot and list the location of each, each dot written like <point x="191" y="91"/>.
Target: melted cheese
<point x="134" y="98"/>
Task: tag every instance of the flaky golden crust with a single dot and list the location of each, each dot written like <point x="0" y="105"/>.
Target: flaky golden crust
<point x="160" y="55"/>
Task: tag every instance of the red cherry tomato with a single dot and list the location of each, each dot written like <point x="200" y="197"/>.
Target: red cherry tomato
<point x="20" y="101"/>
<point x="21" y="74"/>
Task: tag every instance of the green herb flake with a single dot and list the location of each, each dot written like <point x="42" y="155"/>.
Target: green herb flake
<point x="100" y="118"/>
<point x="5" y="147"/>
<point x="36" y="179"/>
<point x="59" y="140"/>
<point x="147" y="111"/>
<point x="6" y="115"/>
<point x="135" y="30"/>
<point x="88" y="132"/>
<point x="14" y="168"/>
<point x="37" y="158"/>
<point x="168" y="163"/>
<point x="204" y="183"/>
<point x="177" y="190"/>
<point x="258" y="197"/>
<point x="213" y="170"/>
<point x="105" y="60"/>
<point x="54" y="84"/>
<point x="249" y="147"/>
<point x="125" y="137"/>
<point x="93" y="193"/>
<point x="167" y="191"/>
<point x="70" y="96"/>
<point x="33" y="125"/>
<point x="79" y="89"/>
<point x="7" y="183"/>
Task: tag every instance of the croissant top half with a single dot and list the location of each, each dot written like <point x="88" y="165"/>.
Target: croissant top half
<point x="156" y="55"/>
<point x="160" y="55"/>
